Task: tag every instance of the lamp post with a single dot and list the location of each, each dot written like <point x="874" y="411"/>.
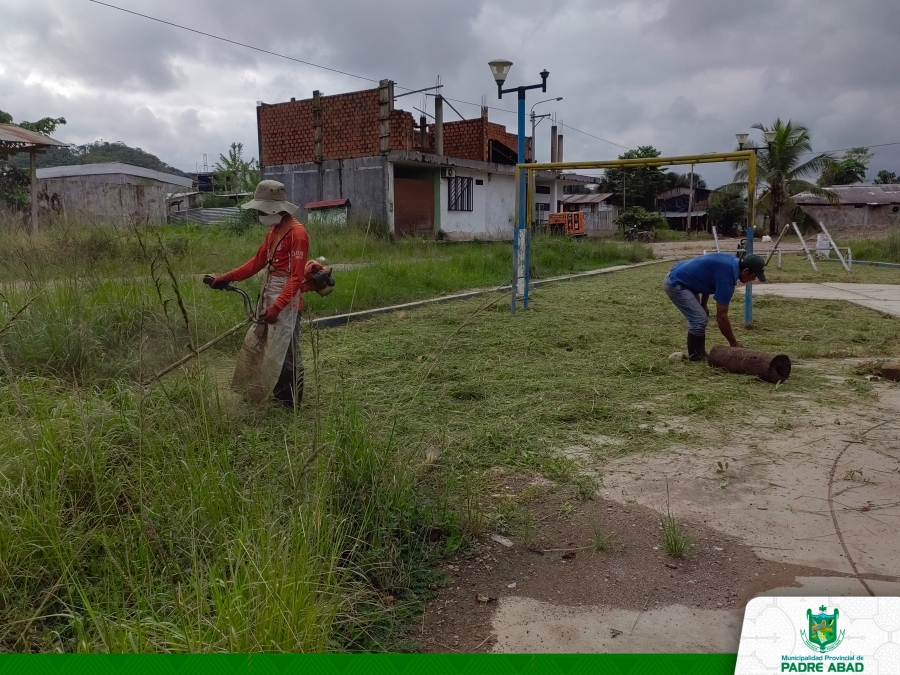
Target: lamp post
<point x="751" y="215"/>
<point x="521" y="239"/>
<point x="535" y="120"/>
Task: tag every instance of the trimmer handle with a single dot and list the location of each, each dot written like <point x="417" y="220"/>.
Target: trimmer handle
<point x="248" y="305"/>
<point x="208" y="280"/>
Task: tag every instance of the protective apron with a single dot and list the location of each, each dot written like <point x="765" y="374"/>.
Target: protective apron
<point x="262" y="354"/>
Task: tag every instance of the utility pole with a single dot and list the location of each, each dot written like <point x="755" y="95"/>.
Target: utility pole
<point x="690" y="201"/>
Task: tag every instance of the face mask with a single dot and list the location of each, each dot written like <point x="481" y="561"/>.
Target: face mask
<point x="269" y="221"/>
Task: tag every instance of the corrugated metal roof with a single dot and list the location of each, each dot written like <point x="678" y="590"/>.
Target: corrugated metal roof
<point x="112" y="168"/>
<point x="586" y="199"/>
<point x="13" y="133"/>
<point x="326" y="204"/>
<point x="857" y="194"/>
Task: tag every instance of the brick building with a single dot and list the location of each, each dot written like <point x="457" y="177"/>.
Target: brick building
<point x="418" y="179"/>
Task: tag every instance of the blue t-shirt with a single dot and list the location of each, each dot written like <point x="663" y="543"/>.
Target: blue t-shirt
<point x="714" y="274"/>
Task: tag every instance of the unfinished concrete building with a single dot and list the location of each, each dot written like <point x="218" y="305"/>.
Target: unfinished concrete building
<point x="455" y="178"/>
<point x="113" y="193"/>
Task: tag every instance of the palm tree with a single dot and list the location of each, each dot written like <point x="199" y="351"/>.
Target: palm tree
<point x="781" y="172"/>
<point x="234" y="173"/>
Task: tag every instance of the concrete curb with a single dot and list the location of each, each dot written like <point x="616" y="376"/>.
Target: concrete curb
<point x="344" y="319"/>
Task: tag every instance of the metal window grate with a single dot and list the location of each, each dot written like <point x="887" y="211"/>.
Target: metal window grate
<point x="460" y="194"/>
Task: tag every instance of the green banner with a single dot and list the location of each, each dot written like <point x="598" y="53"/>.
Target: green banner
<point x="374" y="664"/>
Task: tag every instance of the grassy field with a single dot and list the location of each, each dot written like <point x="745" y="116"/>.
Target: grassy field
<point x="176" y="518"/>
<point x="885" y="249"/>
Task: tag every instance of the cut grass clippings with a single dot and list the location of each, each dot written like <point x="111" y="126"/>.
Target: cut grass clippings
<point x="177" y="518"/>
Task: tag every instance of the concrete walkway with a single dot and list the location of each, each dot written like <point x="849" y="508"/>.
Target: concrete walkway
<point x="884" y="298"/>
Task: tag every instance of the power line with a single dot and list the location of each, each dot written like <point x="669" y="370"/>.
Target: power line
<point x="234" y="42"/>
<point x="316" y="65"/>
<point x="875" y="145"/>
<point x="592" y="136"/>
<point x="369" y="79"/>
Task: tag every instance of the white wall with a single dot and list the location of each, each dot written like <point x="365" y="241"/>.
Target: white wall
<point x="494" y="204"/>
<point x="493" y="213"/>
<point x="465" y="224"/>
<point x="500" y="208"/>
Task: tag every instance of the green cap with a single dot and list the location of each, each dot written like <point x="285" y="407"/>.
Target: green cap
<point x="755" y="264"/>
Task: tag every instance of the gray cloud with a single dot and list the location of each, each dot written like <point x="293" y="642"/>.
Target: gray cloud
<point x="682" y="76"/>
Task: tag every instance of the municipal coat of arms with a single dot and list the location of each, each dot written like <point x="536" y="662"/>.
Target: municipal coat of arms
<point x="823" y="635"/>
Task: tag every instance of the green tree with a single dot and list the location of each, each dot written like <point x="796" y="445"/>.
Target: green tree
<point x="642" y="219"/>
<point x="14" y="179"/>
<point x="635" y="187"/>
<point x="100" y="152"/>
<point x="674" y="180"/>
<point x="851" y="168"/>
<point x="45" y="126"/>
<point x="726" y="212"/>
<point x="233" y="173"/>
<point x="886" y="177"/>
<point x="782" y="173"/>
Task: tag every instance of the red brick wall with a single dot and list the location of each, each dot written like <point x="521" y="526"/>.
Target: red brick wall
<point x="466" y="139"/>
<point x="405" y="133"/>
<point x="497" y="132"/>
<point x="286" y="133"/>
<point x="351" y="127"/>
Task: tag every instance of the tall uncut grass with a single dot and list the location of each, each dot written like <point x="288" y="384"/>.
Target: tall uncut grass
<point x="400" y="271"/>
<point x="885" y="249"/>
<point x="174" y="517"/>
<point x="170" y="521"/>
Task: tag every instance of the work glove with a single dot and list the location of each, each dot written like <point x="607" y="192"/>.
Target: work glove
<point x="219" y="283"/>
<point x="270" y="315"/>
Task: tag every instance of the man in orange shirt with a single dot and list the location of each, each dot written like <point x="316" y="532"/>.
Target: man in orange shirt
<point x="270" y="363"/>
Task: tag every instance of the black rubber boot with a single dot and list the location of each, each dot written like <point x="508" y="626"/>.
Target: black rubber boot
<point x="696" y="344"/>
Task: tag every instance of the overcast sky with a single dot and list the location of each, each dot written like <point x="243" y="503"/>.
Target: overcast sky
<point x="683" y="76"/>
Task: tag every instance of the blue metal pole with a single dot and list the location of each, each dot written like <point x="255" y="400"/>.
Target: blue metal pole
<point x="748" y="293"/>
<point x="524" y="239"/>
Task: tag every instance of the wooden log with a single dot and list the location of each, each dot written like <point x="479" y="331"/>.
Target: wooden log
<point x="891" y="371"/>
<point x="772" y="368"/>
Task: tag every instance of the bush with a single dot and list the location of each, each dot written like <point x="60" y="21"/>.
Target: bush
<point x="642" y="219"/>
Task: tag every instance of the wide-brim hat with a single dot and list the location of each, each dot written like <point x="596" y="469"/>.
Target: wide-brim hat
<point x="270" y="198"/>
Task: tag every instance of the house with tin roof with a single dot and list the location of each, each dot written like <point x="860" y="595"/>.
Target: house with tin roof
<point x="860" y="206"/>
<point x="113" y="193"/>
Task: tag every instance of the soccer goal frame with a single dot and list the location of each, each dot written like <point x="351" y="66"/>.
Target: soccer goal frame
<point x="521" y="278"/>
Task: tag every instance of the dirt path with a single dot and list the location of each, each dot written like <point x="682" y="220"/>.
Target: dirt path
<point x="804" y="505"/>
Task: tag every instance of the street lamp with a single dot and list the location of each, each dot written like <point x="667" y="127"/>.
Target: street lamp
<point x="535" y="120"/>
<point x="521" y="239"/>
<point x="770" y="137"/>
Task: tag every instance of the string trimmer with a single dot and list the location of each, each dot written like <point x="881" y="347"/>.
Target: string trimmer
<point x="251" y="318"/>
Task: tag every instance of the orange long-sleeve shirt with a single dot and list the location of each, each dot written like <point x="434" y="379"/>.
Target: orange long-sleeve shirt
<point x="288" y="245"/>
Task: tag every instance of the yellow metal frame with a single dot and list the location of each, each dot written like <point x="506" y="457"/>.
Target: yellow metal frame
<point x="711" y="158"/>
<point x="640" y="163"/>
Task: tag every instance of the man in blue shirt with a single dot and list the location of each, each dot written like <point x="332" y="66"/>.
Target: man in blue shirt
<point x="690" y="283"/>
